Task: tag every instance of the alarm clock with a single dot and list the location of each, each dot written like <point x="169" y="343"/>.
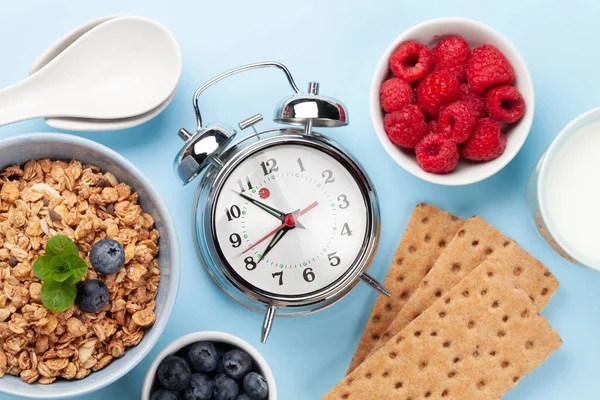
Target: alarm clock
<point x="285" y="221"/>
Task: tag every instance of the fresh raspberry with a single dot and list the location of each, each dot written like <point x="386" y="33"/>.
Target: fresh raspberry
<point x="487" y="141"/>
<point x="406" y="127"/>
<point x="488" y="67"/>
<point x="472" y="99"/>
<point x="433" y="125"/>
<point x="436" y="90"/>
<point x="395" y="94"/>
<point x="457" y="121"/>
<point x="437" y="154"/>
<point x="453" y="53"/>
<point x="411" y="61"/>
<point x="505" y="104"/>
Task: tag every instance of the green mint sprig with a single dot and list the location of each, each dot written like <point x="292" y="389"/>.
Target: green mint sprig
<point x="59" y="270"/>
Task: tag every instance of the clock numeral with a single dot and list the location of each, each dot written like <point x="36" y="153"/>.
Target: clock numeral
<point x="250" y="263"/>
<point x="334" y="260"/>
<point x="235" y="240"/>
<point x="245" y="184"/>
<point x="344" y="203"/>
<point x="233" y="212"/>
<point x="309" y="275"/>
<point x="280" y="275"/>
<point x="328" y="175"/>
<point x="346" y="230"/>
<point x="299" y="161"/>
<point x="269" y="166"/>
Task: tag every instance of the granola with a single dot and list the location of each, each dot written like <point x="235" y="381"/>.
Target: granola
<point x="44" y="198"/>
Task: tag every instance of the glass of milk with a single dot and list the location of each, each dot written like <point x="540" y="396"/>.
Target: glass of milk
<point x="564" y="191"/>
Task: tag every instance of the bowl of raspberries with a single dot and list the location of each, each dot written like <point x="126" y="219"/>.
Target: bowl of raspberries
<point x="452" y="101"/>
<point x="209" y="366"/>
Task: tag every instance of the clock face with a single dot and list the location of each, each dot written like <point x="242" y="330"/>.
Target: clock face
<point x="291" y="220"/>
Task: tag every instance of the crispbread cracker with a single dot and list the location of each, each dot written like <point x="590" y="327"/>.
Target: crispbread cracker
<point x="426" y="235"/>
<point x="473" y="243"/>
<point x="476" y="343"/>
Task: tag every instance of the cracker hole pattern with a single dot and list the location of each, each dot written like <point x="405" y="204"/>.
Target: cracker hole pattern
<point x="517" y="271"/>
<point x="506" y="243"/>
<point x="456" y="360"/>
<point x="481" y="384"/>
<point x="525" y="313"/>
<point x="375" y="337"/>
<point x="475" y="243"/>
<point x="386" y="335"/>
<point x="404" y="295"/>
<point x="399" y="339"/>
<point x="493" y="353"/>
<point x="433" y="333"/>
<point x="516" y="379"/>
<point x="465" y="293"/>
<point x="471" y="324"/>
<point x="388" y="307"/>
<point x="456" y="267"/>
<point x="495" y="304"/>
<point x="451" y="374"/>
<point x="399" y="278"/>
<point x="505" y="364"/>
<point x="442" y="314"/>
<point x="528" y="344"/>
<point x="399" y="261"/>
<point x="488" y="251"/>
<point x="425" y="220"/>
<point x="461" y="233"/>
<point x="446" y="344"/>
<point x="445" y="393"/>
<point x="427" y="394"/>
<point x="476" y="354"/>
<point x="438" y="293"/>
<point x="423" y="364"/>
<point x="501" y="333"/>
<point x="368" y="375"/>
<point x="448" y="300"/>
<point x="544" y="291"/>
<point x="412" y="248"/>
<point x="490" y="274"/>
<point x="345" y="395"/>
<point x="398" y="385"/>
<point x="385" y="374"/>
<point x="427" y="238"/>
<point x="442" y="243"/>
<point x="376" y="318"/>
<point x="505" y="318"/>
<point x="483" y="292"/>
<point x="417" y="333"/>
<point x="392" y="355"/>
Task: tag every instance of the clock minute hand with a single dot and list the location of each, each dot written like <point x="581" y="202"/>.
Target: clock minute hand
<point x="273" y="211"/>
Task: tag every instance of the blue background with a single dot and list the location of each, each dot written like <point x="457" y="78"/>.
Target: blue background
<point x="338" y="43"/>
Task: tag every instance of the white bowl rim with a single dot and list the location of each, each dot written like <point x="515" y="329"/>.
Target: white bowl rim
<point x="210" y="336"/>
<point x="547" y="157"/>
<point x="449" y="179"/>
<point x="154" y="333"/>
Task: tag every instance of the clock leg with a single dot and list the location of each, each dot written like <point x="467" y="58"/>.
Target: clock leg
<point x="268" y="324"/>
<point x="366" y="278"/>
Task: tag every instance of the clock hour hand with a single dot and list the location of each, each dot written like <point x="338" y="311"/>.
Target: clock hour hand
<point x="278" y="236"/>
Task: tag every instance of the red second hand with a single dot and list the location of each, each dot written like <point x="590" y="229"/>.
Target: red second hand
<point x="280" y="227"/>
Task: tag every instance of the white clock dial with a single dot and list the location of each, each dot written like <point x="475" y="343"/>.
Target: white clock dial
<point x="290" y="220"/>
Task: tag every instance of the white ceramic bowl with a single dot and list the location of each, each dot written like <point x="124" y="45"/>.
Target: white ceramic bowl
<point x="476" y="34"/>
<point x="210" y="336"/>
<point x="65" y="147"/>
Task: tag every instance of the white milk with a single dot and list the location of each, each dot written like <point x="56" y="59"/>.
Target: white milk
<point x="572" y="193"/>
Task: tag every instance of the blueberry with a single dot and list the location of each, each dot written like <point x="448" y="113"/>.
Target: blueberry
<point x="237" y="363"/>
<point x="256" y="386"/>
<point x="225" y="388"/>
<point x="244" y="396"/>
<point x="201" y="388"/>
<point x="203" y="357"/>
<point x="107" y="256"/>
<point x="92" y="295"/>
<point x="174" y="373"/>
<point x="164" y="395"/>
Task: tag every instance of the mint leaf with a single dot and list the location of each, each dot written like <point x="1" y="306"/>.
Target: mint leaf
<point x="44" y="267"/>
<point x="61" y="246"/>
<point x="77" y="267"/>
<point x="58" y="296"/>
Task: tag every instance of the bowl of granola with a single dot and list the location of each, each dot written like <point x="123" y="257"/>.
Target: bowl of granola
<point x="59" y="335"/>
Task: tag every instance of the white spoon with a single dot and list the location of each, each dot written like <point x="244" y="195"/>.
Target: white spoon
<point x="122" y="68"/>
<point x="83" y="124"/>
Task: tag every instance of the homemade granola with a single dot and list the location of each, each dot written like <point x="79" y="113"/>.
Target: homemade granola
<point x="45" y="198"/>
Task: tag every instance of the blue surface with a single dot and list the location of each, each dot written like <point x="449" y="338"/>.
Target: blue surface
<point x="339" y="43"/>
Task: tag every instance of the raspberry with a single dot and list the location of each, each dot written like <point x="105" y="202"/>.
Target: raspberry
<point x="433" y="125"/>
<point x="437" y="154"/>
<point x="436" y="90"/>
<point x="487" y="141"/>
<point x="488" y="67"/>
<point x="411" y="61"/>
<point x="395" y="94"/>
<point x="505" y="104"/>
<point x="457" y="121"/>
<point x="472" y="99"/>
<point x="406" y="127"/>
<point x="453" y="53"/>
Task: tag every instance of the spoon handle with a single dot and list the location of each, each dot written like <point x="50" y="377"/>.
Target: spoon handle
<point x="25" y="100"/>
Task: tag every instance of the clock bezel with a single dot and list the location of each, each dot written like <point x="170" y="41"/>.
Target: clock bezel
<point x="219" y="267"/>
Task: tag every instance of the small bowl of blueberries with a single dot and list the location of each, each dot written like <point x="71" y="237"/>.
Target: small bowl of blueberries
<point x="209" y="366"/>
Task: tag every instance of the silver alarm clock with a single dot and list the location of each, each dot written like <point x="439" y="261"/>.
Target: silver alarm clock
<point x="285" y="220"/>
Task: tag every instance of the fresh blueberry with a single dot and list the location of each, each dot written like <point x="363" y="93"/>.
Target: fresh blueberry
<point x="174" y="373"/>
<point x="164" y="395"/>
<point x="203" y="357"/>
<point x="107" y="256"/>
<point x="255" y="386"/>
<point x="237" y="363"/>
<point x="201" y="388"/>
<point x="92" y="296"/>
<point x="225" y="388"/>
<point x="244" y="396"/>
